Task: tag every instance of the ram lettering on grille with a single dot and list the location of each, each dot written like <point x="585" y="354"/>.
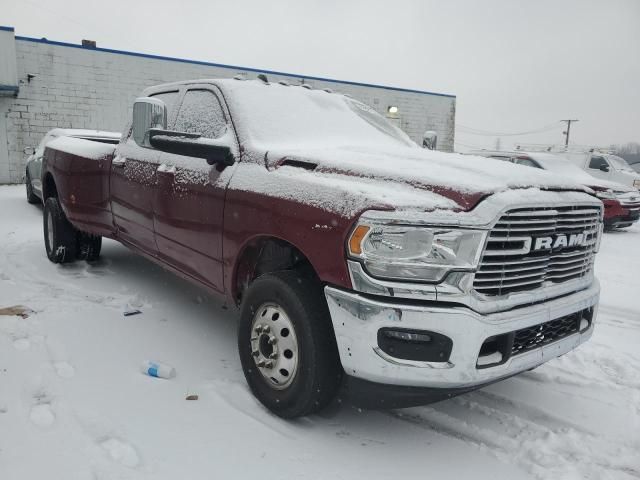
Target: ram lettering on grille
<point x="529" y="248"/>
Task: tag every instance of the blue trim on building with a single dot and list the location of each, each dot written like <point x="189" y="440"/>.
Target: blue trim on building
<point x="220" y="65"/>
<point x="9" y="88"/>
<point x="7" y="29"/>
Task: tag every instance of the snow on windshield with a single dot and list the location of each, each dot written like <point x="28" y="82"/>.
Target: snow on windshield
<point x="619" y="163"/>
<point x="277" y="116"/>
<point x="564" y="167"/>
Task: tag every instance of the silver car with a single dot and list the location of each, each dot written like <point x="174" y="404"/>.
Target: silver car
<point x="32" y="178"/>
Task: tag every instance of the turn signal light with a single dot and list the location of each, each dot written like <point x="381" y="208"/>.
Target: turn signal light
<point x="355" y="242"/>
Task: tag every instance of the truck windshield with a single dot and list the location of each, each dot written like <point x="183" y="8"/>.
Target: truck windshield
<point x="278" y="116"/>
<point x="619" y="163"/>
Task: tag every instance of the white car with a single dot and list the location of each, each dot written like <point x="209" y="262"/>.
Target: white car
<point x="34" y="160"/>
<point x="597" y="163"/>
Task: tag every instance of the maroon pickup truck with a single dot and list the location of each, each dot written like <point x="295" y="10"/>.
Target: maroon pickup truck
<point x="361" y="263"/>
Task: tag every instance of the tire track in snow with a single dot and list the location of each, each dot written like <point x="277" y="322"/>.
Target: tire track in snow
<point x="541" y="446"/>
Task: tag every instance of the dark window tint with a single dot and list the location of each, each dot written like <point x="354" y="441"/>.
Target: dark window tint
<point x="201" y="113"/>
<point x="169" y="99"/>
<point x="597" y="162"/>
<point x="527" y="162"/>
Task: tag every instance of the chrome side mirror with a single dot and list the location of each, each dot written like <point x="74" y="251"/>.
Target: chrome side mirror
<point x="430" y="140"/>
<point x="29" y="150"/>
<point x="148" y="113"/>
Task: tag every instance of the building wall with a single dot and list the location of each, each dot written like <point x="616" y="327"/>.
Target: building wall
<point x="68" y="86"/>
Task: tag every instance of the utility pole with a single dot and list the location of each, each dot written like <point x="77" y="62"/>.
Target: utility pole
<point x="566" y="133"/>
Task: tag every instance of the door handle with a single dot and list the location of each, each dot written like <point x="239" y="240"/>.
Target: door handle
<point x="118" y="161"/>
<point x="166" y="169"/>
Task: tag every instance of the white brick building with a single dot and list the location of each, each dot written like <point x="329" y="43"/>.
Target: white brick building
<point x="46" y="84"/>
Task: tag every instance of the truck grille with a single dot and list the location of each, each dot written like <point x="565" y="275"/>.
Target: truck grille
<point x="511" y="262"/>
<point x="538" y="335"/>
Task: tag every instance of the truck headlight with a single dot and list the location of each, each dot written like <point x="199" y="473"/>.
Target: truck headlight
<point x="415" y="253"/>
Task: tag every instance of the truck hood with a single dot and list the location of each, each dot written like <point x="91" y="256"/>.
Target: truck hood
<point x="459" y="181"/>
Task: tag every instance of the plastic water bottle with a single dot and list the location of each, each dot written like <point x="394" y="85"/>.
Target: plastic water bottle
<point x="157" y="369"/>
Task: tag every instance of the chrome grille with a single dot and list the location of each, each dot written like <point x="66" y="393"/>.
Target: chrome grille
<point x="509" y="263"/>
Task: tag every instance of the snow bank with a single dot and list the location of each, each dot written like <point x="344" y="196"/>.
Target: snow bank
<point x="82" y="148"/>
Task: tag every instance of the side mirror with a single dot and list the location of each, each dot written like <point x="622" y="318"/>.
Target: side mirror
<point x="29" y="150"/>
<point x="148" y="113"/>
<point x="604" y="167"/>
<point x="430" y="140"/>
<point x="214" y="151"/>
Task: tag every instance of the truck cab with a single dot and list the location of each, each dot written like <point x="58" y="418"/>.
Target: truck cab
<point x="613" y="168"/>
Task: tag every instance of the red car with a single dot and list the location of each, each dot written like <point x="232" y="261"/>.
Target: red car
<point x="357" y="259"/>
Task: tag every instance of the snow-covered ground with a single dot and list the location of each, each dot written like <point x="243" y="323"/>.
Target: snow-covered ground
<point x="74" y="405"/>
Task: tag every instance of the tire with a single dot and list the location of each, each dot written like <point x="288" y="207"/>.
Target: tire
<point x="31" y="196"/>
<point x="60" y="237"/>
<point x="314" y="380"/>
<point x="89" y="246"/>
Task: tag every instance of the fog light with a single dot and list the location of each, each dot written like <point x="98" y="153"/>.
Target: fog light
<point x="408" y="336"/>
<point x="416" y="345"/>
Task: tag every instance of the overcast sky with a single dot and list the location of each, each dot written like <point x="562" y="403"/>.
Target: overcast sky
<point x="514" y="65"/>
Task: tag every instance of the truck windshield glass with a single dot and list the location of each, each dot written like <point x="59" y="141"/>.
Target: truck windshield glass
<point x="564" y="167"/>
<point x="277" y="116"/>
<point x="619" y="163"/>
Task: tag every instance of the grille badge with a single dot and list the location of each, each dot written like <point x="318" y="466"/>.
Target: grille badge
<point x="558" y="242"/>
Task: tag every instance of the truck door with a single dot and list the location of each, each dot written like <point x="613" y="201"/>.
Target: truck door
<point x="132" y="187"/>
<point x="189" y="201"/>
<point x="599" y="167"/>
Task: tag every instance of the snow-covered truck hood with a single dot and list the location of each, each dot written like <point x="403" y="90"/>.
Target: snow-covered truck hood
<point x="444" y="180"/>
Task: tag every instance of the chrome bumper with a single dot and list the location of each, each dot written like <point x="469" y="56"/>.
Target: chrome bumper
<point x="357" y="319"/>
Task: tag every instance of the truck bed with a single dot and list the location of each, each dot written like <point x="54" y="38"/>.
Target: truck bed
<point x="80" y="169"/>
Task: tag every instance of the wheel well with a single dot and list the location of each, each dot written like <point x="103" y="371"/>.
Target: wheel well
<point x="263" y="255"/>
<point x="49" y="187"/>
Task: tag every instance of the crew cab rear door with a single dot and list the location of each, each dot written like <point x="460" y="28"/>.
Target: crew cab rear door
<point x="189" y="201"/>
<point x="133" y="184"/>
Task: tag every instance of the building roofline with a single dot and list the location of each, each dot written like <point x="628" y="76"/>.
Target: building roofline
<point x="7" y="29"/>
<point x="220" y="65"/>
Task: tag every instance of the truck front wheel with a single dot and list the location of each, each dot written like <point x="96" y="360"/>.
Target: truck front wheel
<point x="60" y="237"/>
<point x="287" y="345"/>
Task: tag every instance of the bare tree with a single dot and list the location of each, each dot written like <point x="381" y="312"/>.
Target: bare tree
<point x="629" y="151"/>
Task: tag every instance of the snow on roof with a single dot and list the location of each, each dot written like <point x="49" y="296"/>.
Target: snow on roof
<point x="82" y="147"/>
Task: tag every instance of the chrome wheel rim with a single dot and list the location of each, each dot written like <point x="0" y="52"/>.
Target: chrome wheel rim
<point x="50" y="230"/>
<point x="274" y="346"/>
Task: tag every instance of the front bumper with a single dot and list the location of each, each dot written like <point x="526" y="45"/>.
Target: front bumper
<point x="618" y="214"/>
<point x="357" y="319"/>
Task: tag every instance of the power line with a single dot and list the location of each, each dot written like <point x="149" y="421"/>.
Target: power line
<point x="487" y="133"/>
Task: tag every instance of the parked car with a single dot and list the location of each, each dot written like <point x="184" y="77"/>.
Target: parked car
<point x="621" y="203"/>
<point x="596" y="162"/>
<point x="32" y="177"/>
<point x="355" y="257"/>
